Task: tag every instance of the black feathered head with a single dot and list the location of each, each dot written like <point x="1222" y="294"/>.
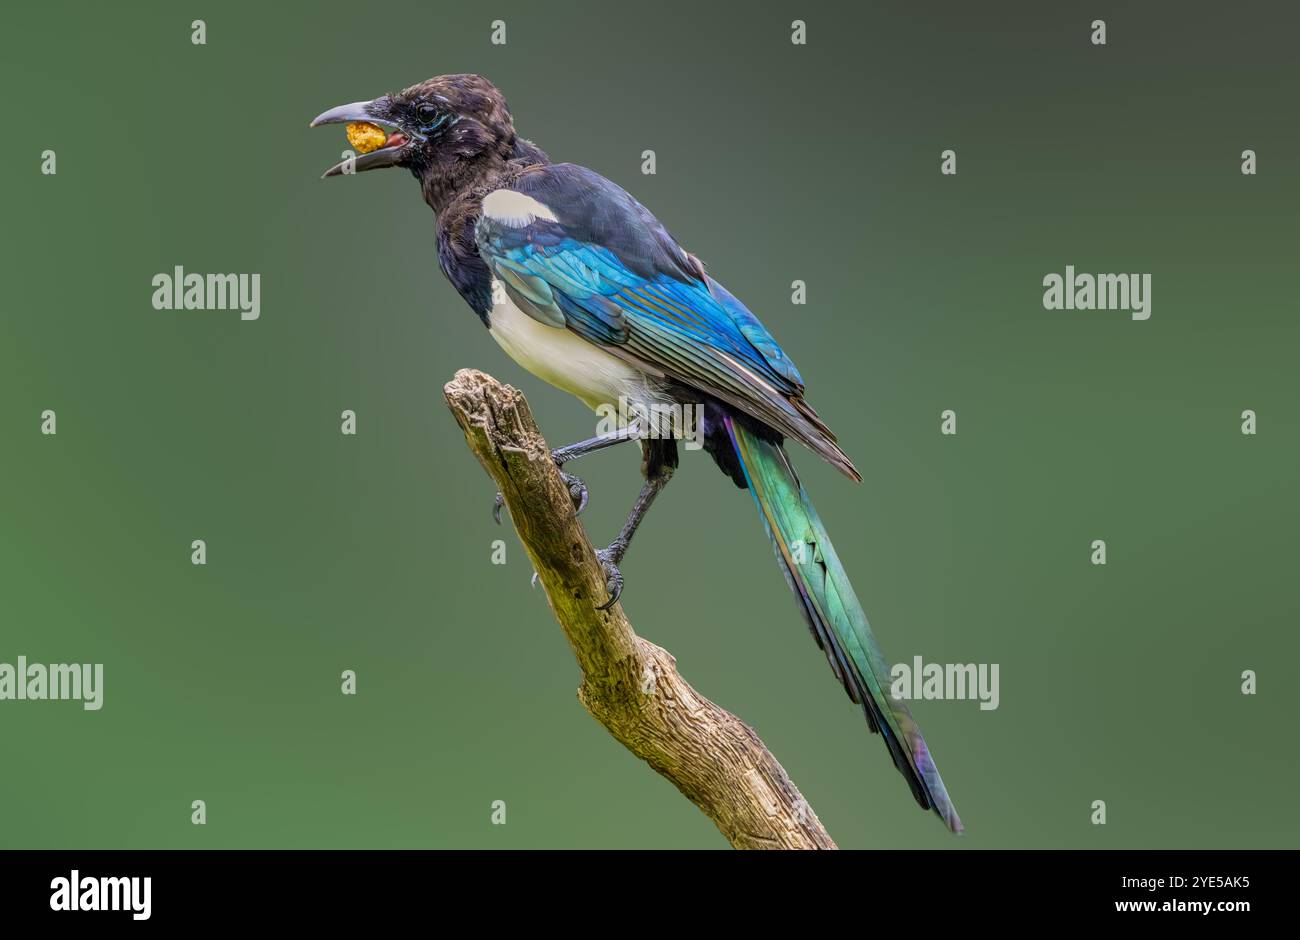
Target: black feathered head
<point x="434" y="128"/>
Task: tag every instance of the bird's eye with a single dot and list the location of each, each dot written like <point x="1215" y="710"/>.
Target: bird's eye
<point x="427" y="113"/>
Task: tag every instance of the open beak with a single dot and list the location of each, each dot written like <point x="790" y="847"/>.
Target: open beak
<point x="370" y="112"/>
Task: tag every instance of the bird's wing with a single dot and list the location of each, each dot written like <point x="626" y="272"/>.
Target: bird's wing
<point x="577" y="252"/>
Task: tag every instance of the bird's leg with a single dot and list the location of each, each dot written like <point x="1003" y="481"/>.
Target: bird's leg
<point x="611" y="557"/>
<point x="562" y="455"/>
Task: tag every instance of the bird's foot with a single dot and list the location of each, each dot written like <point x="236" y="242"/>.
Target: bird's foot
<point x="609" y="559"/>
<point x="577" y="493"/>
<point x="577" y="489"/>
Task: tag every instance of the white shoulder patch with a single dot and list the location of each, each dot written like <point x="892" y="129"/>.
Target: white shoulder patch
<point x="515" y="209"/>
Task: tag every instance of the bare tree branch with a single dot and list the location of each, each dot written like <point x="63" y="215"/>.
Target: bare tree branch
<point x="629" y="685"/>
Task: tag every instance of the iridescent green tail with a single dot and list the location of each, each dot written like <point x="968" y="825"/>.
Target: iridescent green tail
<point x="834" y="616"/>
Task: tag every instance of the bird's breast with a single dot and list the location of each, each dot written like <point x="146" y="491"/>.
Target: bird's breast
<point x="559" y="356"/>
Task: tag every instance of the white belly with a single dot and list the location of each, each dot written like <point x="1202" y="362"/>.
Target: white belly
<point x="566" y="360"/>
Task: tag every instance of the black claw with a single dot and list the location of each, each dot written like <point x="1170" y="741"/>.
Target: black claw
<point x="577" y="491"/>
<point x="613" y="578"/>
<point x="496" y="508"/>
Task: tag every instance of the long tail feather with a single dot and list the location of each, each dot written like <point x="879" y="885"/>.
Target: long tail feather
<point x="834" y="616"/>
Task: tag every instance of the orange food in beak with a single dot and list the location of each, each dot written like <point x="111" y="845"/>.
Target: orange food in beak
<point x="365" y="137"/>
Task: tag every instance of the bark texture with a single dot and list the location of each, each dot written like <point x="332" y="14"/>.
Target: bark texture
<point x="629" y="685"/>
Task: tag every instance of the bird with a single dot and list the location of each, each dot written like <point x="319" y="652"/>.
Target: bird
<point x="583" y="287"/>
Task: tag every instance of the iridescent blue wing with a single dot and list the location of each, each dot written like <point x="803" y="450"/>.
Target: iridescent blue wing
<point x="577" y="252"/>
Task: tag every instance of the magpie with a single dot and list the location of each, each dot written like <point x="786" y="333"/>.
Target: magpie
<point x="584" y="288"/>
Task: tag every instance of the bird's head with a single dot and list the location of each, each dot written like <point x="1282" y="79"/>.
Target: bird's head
<point x="434" y="129"/>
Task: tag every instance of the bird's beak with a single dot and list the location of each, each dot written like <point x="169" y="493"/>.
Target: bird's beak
<point x="371" y="112"/>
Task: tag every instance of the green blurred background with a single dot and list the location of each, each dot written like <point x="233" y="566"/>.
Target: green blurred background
<point x="775" y="162"/>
